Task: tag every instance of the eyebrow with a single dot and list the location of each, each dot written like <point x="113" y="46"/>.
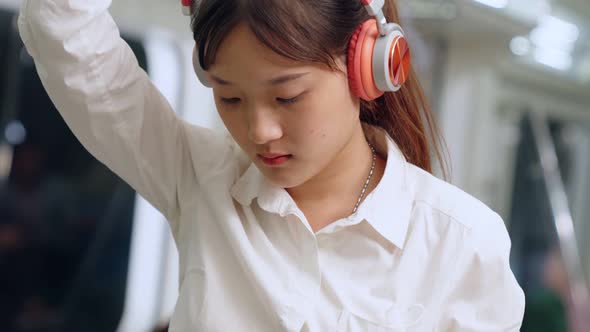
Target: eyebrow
<point x="273" y="81"/>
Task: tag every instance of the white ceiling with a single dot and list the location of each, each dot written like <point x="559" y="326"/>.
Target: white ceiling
<point x="576" y="12"/>
<point x="471" y="22"/>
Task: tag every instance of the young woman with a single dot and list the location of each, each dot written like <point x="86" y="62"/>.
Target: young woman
<point x="319" y="212"/>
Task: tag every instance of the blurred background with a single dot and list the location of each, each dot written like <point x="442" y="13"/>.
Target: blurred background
<point x="508" y="80"/>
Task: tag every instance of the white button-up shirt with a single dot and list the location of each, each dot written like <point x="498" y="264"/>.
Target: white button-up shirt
<point x="418" y="255"/>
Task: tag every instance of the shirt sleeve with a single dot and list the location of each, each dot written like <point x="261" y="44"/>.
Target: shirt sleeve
<point x="484" y="295"/>
<point x="105" y="97"/>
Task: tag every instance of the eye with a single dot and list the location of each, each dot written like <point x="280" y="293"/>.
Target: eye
<point x="230" y="101"/>
<point x="289" y="101"/>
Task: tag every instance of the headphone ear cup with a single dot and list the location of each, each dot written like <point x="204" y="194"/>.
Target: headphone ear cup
<point x="354" y="68"/>
<point x="400" y="61"/>
<point x="201" y="73"/>
<point x="391" y="59"/>
<point x="367" y="49"/>
<point x="360" y="61"/>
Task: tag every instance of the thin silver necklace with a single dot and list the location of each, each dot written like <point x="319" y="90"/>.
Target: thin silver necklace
<point x="368" y="179"/>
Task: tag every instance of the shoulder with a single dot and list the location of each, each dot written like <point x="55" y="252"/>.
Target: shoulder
<point x="450" y="204"/>
<point x="480" y="255"/>
<point x="212" y="151"/>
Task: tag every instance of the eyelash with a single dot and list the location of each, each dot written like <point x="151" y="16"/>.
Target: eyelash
<point x="290" y="101"/>
<point x="229" y="100"/>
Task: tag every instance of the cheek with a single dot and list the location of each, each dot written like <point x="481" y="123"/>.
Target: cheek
<point x="325" y="117"/>
<point x="306" y="125"/>
<point x="235" y="125"/>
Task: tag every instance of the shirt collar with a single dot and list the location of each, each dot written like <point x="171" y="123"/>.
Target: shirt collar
<point x="271" y="198"/>
<point x="387" y="208"/>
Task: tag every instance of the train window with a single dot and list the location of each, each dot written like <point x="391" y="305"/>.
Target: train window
<point x="65" y="218"/>
<point x="537" y="256"/>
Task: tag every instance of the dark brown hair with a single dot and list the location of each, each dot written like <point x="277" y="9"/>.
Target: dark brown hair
<point x="318" y="31"/>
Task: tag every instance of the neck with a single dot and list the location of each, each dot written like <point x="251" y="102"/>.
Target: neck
<point x="339" y="185"/>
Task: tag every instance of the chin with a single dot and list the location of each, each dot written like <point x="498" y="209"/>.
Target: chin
<point x="283" y="181"/>
<point x="283" y="178"/>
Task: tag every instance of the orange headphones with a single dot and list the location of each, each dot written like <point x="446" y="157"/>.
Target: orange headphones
<point x="378" y="54"/>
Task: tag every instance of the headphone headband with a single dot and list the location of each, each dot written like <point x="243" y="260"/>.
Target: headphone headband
<point x="187" y="7"/>
<point x="375" y="9"/>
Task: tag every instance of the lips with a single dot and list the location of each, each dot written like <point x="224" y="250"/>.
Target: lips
<point x="272" y="155"/>
<point x="274" y="159"/>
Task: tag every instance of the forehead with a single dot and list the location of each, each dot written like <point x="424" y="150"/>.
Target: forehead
<point x="241" y="53"/>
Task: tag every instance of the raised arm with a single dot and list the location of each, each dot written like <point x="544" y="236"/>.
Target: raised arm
<point x="107" y="100"/>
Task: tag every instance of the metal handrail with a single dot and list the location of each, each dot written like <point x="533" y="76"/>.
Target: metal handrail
<point x="560" y="210"/>
<point x="9" y="102"/>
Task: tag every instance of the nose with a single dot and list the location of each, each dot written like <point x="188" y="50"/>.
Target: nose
<point x="263" y="126"/>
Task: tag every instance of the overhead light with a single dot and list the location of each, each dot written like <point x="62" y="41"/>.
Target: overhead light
<point x="554" y="40"/>
<point x="555" y="33"/>
<point x="549" y="39"/>
<point x="568" y="30"/>
<point x="520" y="45"/>
<point x="494" y="3"/>
<point x="553" y="58"/>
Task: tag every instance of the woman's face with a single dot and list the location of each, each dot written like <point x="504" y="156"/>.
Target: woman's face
<point x="273" y="106"/>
